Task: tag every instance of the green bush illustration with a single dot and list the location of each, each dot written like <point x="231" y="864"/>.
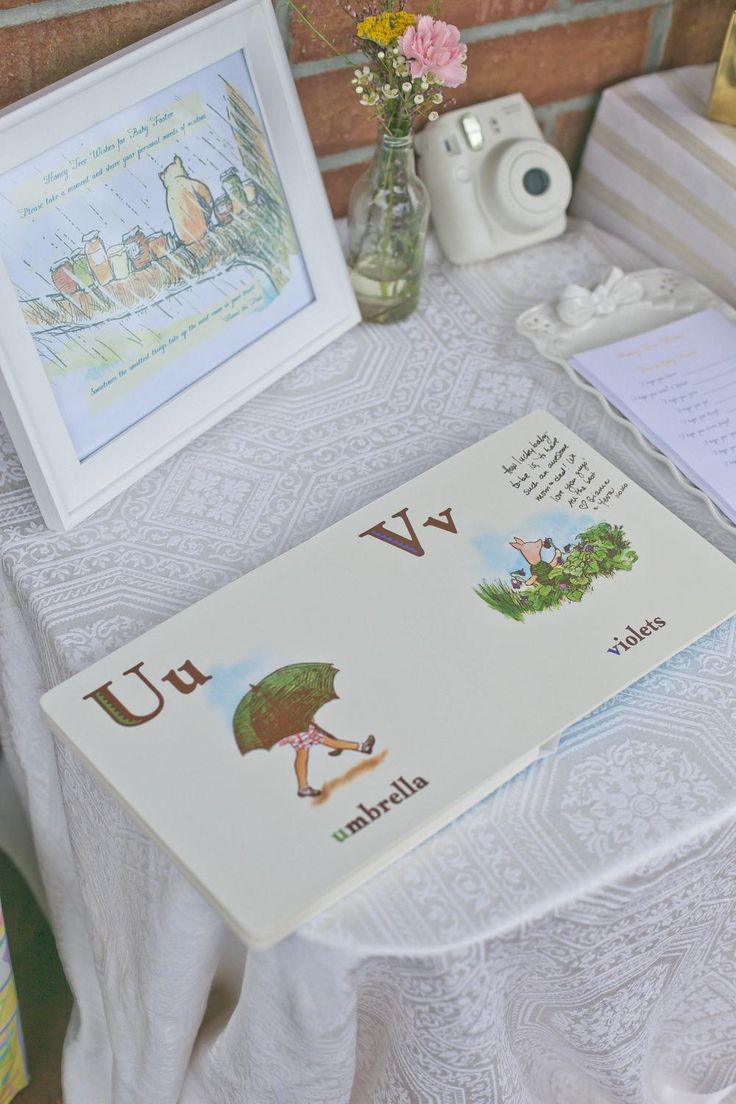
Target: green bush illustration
<point x="599" y="551"/>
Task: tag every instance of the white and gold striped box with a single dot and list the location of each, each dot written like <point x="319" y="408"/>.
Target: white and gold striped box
<point x="659" y="173"/>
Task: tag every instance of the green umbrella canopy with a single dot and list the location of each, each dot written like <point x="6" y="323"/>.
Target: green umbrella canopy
<point x="282" y="704"/>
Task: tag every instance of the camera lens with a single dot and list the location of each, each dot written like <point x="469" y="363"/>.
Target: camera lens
<point x="536" y="181"/>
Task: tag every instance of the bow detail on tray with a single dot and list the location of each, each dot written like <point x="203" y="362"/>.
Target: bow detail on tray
<point x="577" y="305"/>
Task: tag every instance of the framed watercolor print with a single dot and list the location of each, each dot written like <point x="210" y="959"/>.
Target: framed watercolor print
<point x="166" y="251"/>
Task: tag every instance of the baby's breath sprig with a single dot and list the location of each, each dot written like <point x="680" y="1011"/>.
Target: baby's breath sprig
<point x="387" y="86"/>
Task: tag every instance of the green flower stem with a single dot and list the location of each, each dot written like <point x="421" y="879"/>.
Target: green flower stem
<point x="315" y="30"/>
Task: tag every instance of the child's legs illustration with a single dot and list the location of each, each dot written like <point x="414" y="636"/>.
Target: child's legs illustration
<point x="301" y="762"/>
<point x="341" y="745"/>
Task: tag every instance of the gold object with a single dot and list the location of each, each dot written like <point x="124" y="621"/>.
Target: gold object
<point x="722" y="103"/>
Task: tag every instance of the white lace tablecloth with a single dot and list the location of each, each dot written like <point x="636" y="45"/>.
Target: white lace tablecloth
<point x="571" y="939"/>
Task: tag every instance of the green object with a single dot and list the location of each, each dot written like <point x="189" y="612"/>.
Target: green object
<point x="541" y="570"/>
<point x="597" y="552"/>
<point x="282" y="704"/>
<point x="82" y="270"/>
<point x="233" y="187"/>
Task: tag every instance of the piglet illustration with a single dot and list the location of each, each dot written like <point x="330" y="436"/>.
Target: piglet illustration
<point x="539" y="569"/>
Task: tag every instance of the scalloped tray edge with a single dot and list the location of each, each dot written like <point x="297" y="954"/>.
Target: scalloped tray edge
<point x="693" y="291"/>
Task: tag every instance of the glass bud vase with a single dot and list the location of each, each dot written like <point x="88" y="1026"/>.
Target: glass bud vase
<point x="387" y="228"/>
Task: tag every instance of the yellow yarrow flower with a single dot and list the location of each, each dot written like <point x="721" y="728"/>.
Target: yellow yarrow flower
<point x="385" y="28"/>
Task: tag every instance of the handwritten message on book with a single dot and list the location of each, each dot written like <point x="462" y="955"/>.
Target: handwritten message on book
<point x="678" y="385"/>
<point x="548" y="468"/>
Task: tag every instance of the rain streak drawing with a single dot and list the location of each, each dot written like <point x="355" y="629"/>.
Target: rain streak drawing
<point x="279" y="711"/>
<point x="150" y="249"/>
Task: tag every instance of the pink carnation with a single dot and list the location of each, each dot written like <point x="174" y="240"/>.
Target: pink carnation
<point x="434" y="46"/>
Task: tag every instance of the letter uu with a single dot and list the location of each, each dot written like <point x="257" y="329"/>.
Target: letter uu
<point x="119" y="712"/>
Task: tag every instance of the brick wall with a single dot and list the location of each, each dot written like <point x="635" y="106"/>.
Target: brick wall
<point x="559" y="53"/>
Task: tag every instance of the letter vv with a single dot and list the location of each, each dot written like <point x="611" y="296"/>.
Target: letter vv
<point x="119" y="712"/>
<point x="409" y="541"/>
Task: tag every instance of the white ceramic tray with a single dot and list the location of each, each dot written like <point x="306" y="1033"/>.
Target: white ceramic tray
<point x="620" y="307"/>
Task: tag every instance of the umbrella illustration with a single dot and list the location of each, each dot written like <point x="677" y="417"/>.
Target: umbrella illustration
<point x="280" y="709"/>
<point x="282" y="704"/>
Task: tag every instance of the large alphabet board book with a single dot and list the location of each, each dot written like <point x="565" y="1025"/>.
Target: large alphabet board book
<point x="293" y="733"/>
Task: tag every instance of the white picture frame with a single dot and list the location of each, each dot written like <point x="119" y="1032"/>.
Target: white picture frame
<point x="68" y="486"/>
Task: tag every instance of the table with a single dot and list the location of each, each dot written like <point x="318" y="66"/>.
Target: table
<point x="662" y="175"/>
<point x="571" y="939"/>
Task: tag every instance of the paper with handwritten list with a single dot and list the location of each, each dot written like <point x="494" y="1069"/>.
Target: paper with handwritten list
<point x="678" y="385"/>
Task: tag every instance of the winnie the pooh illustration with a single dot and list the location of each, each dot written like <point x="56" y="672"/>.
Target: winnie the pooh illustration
<point x="188" y="201"/>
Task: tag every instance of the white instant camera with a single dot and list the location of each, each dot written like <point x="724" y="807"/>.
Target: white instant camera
<point x="495" y="185"/>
